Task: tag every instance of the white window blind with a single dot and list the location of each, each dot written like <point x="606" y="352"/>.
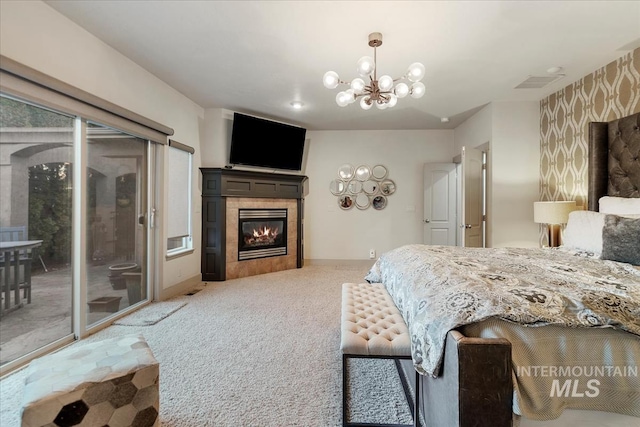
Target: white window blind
<point x="179" y="183"/>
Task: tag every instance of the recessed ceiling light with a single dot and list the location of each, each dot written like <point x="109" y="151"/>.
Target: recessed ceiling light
<point x="297" y="105"/>
<point x="554" y="70"/>
<point x="444" y="120"/>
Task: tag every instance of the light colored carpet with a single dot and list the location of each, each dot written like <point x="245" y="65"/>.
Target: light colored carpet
<point x="259" y="351"/>
<point x="151" y="314"/>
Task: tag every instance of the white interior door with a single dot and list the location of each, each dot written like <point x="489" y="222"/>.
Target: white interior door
<point x="439" y="204"/>
<point x="472" y="197"/>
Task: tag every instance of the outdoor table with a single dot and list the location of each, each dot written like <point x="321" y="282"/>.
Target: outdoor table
<point x="16" y="247"/>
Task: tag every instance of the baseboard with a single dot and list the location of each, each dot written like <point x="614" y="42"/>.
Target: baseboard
<point x="180" y="288"/>
<point x="350" y="262"/>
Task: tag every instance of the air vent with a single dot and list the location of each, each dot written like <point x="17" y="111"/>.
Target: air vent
<point x="537" y="82"/>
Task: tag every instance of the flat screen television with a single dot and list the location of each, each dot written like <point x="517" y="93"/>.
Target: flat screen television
<point x="266" y="144"/>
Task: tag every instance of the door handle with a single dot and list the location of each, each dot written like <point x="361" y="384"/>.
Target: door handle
<point x="465" y="225"/>
<point x="427" y="221"/>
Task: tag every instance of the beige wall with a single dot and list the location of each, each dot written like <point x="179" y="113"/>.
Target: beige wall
<point x="607" y="94"/>
<point x="34" y="34"/>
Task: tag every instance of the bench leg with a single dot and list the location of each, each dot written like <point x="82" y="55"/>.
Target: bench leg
<point x="344" y="389"/>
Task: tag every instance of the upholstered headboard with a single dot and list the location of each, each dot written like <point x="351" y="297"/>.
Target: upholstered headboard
<point x="614" y="159"/>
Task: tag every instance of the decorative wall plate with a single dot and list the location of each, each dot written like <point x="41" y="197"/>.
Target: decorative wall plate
<point x="346" y="172"/>
<point x="345" y="202"/>
<point x="363" y="173"/>
<point x="379" y="172"/>
<point x="354" y="187"/>
<point x="362" y="201"/>
<point x="387" y="187"/>
<point x="379" y="202"/>
<point x="370" y="187"/>
<point x="337" y="187"/>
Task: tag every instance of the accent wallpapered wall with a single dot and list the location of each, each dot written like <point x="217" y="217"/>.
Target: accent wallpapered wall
<point x="609" y="93"/>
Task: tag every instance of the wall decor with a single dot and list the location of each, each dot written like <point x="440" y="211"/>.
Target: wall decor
<point x="345" y="202"/>
<point x="362" y="186"/>
<point x="379" y="202"/>
<point x="337" y="187"/>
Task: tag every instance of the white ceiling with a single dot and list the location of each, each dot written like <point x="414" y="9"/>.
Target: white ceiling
<point x="258" y="56"/>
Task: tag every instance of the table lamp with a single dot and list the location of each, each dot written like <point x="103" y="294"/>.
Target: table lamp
<point x="553" y="214"/>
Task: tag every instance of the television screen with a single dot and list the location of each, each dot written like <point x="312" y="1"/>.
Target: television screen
<point x="267" y="144"/>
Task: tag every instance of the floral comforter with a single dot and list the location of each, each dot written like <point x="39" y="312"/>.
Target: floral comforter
<point x="439" y="288"/>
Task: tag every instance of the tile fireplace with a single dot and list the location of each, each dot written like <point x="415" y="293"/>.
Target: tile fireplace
<point x="252" y="223"/>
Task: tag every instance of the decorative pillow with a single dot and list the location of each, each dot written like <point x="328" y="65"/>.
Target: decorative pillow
<point x="584" y="232"/>
<point x="619" y="205"/>
<point x="621" y="239"/>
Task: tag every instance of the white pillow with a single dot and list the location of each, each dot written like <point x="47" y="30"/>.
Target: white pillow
<point x="619" y="205"/>
<point x="584" y="231"/>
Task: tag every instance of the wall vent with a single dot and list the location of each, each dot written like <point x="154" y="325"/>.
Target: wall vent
<point x="538" y="82"/>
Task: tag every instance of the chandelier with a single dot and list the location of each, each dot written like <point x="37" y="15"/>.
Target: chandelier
<point x="380" y="92"/>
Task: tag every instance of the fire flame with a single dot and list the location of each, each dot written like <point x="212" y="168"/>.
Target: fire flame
<point x="266" y="232"/>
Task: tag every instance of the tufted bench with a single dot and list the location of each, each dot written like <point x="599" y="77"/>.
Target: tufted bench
<point x="112" y="383"/>
<point x="372" y="327"/>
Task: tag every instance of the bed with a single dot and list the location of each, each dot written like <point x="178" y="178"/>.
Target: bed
<point x="534" y="337"/>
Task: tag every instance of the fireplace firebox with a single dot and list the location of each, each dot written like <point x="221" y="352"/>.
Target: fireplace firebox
<point x="262" y="233"/>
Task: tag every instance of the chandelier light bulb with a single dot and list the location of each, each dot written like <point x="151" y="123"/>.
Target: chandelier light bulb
<point x="417" y="90"/>
<point x="352" y="95"/>
<point x="385" y="83"/>
<point x="357" y="85"/>
<point x="365" y="66"/>
<point x="393" y="100"/>
<point x="342" y="99"/>
<point x="401" y="90"/>
<point x="415" y="73"/>
<point x="330" y="80"/>
<point x="365" y="103"/>
<point x="381" y="105"/>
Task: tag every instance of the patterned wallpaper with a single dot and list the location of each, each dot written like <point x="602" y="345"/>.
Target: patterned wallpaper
<point x="607" y="94"/>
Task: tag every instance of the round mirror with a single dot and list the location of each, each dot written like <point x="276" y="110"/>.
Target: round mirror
<point x="379" y="172"/>
<point x="370" y="187"/>
<point x="379" y="202"/>
<point x="345" y="202"/>
<point x="346" y="171"/>
<point x="362" y="201"/>
<point x="363" y="173"/>
<point x="387" y="187"/>
<point x="336" y="187"/>
<point x="354" y="187"/>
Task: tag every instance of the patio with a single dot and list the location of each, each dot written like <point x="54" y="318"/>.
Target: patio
<point x="48" y="317"/>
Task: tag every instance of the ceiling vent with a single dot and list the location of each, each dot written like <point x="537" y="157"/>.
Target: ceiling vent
<point x="538" y="82"/>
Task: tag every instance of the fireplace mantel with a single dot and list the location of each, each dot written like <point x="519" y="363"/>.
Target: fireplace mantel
<point x="221" y="184"/>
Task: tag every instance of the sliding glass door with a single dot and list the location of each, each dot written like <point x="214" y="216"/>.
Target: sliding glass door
<point x="116" y="221"/>
<point x="36" y="154"/>
<point x="74" y="244"/>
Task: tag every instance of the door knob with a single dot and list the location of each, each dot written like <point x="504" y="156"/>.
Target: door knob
<point x="427" y="221"/>
<point x="465" y="225"/>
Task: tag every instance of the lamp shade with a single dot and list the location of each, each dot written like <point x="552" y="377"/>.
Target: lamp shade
<point x="552" y="212"/>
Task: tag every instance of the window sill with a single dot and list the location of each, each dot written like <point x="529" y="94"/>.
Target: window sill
<point x="179" y="254"/>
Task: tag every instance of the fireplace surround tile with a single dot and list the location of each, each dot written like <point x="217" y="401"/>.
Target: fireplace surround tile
<point x="236" y="269"/>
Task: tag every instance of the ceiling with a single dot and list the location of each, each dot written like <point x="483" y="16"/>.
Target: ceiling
<point x="257" y="57"/>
